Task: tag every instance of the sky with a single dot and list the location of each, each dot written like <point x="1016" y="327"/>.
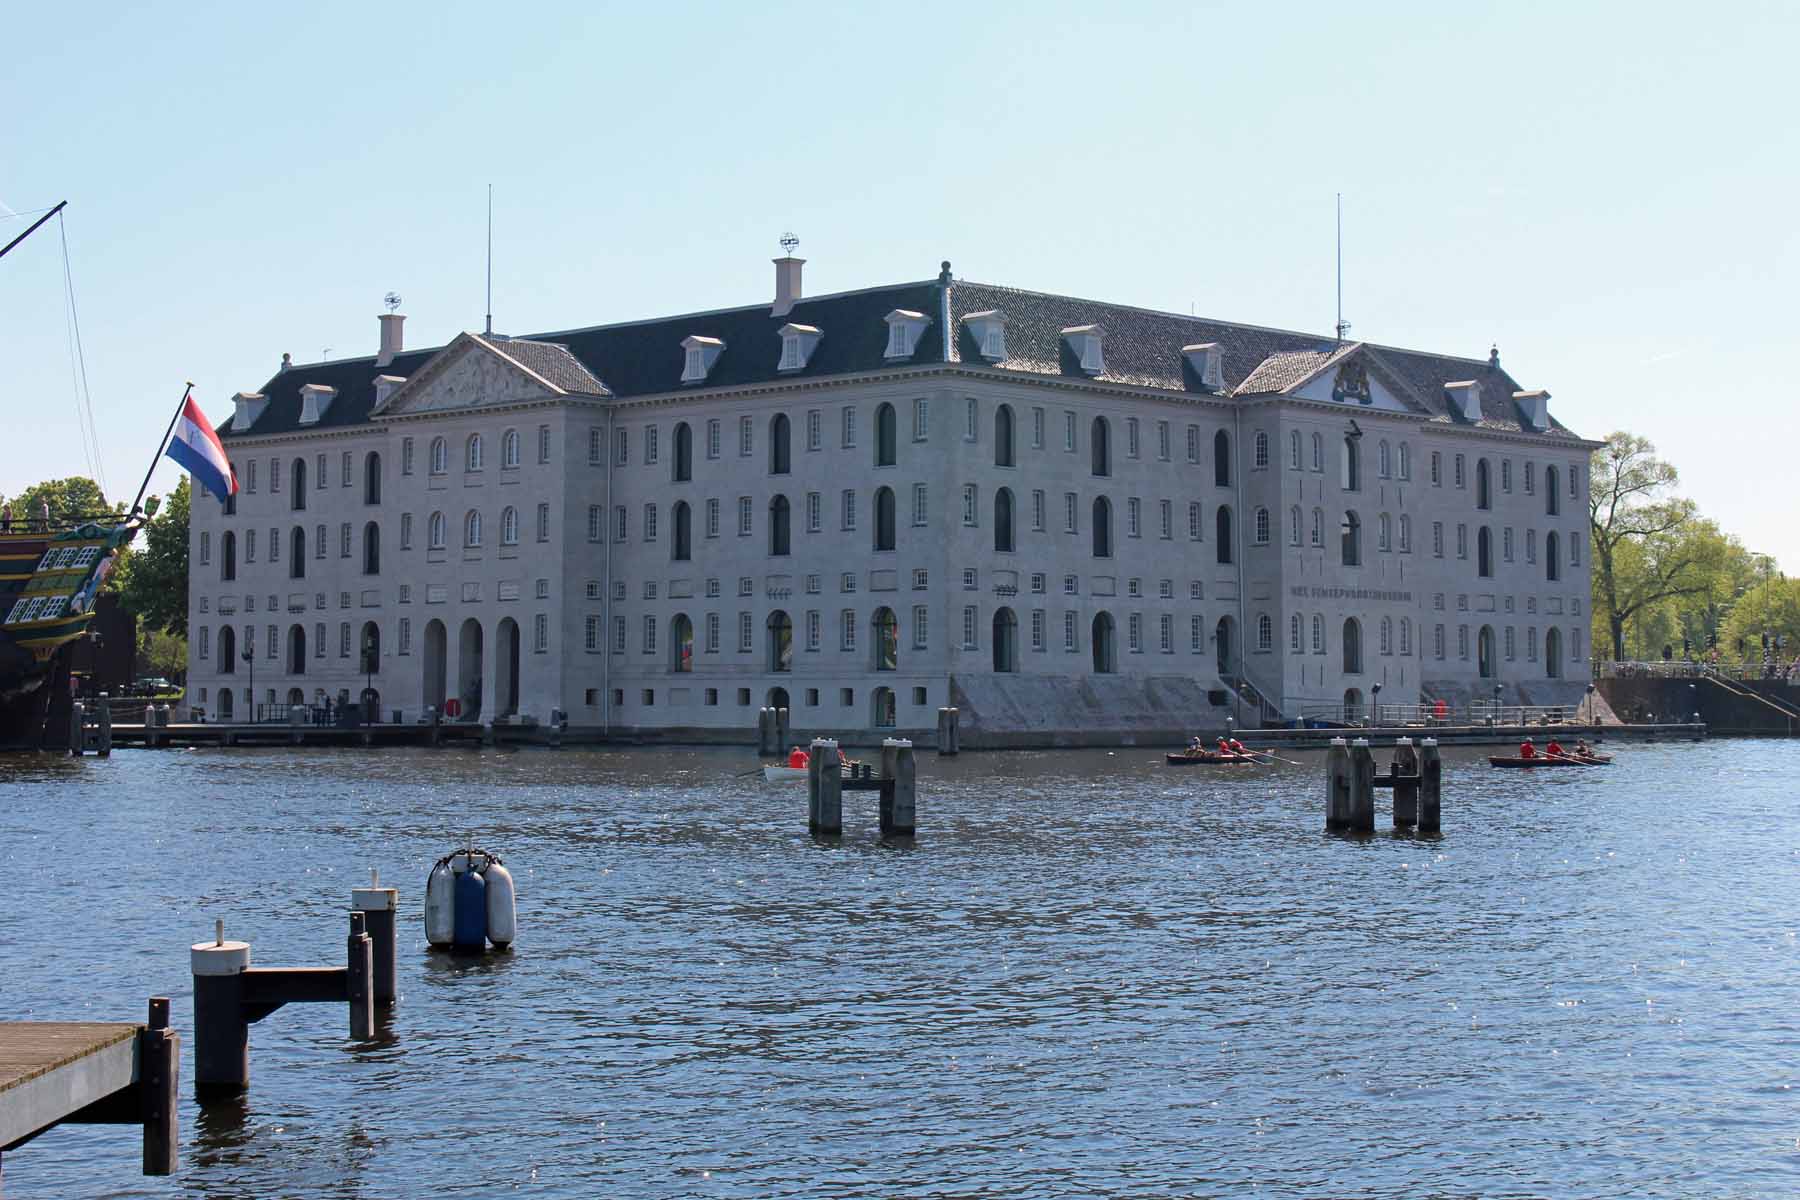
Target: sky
<point x="1606" y="192"/>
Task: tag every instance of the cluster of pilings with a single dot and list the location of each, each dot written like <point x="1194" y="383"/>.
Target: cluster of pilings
<point x="772" y="732"/>
<point x="827" y="781"/>
<point x="1415" y="776"/>
<point x="949" y="731"/>
<point x="90" y="726"/>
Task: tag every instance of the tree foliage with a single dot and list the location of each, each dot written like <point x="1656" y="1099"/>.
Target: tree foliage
<point x="76" y="496"/>
<point x="1649" y="545"/>
<point x="155" y="583"/>
<point x="161" y="653"/>
<point x="1771" y="607"/>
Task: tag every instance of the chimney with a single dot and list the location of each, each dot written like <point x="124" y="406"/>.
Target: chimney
<point x="390" y="337"/>
<point x="787" y="284"/>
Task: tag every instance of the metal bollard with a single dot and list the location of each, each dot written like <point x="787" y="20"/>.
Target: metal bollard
<point x="379" y="907"/>
<point x="160" y="1088"/>
<point x="221" y="1034"/>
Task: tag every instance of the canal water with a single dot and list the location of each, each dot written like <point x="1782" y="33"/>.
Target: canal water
<point x="1090" y="975"/>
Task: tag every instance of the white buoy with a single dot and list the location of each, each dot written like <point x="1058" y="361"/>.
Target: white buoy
<point x="502" y="917"/>
<point x="440" y="906"/>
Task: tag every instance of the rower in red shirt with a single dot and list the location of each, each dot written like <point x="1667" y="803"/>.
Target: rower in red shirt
<point x="1527" y="750"/>
<point x="798" y="758"/>
<point x="1555" y="750"/>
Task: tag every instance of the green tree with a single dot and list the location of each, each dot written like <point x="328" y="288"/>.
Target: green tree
<point x="161" y="653"/>
<point x="76" y="496"/>
<point x="1771" y="607"/>
<point x="154" y="586"/>
<point x="1649" y="545"/>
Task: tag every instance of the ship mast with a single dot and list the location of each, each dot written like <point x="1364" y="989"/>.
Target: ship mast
<point x="33" y="229"/>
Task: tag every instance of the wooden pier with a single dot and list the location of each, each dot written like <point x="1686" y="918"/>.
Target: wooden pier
<point x="92" y="1073"/>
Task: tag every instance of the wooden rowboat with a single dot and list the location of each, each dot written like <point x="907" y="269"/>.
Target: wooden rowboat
<point x="782" y="773"/>
<point x="1211" y="759"/>
<point x="1513" y="760"/>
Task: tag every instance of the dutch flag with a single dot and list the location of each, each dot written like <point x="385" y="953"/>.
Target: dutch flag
<point x="195" y="446"/>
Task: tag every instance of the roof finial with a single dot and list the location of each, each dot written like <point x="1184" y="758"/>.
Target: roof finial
<point x="789" y="243"/>
<point x="287" y="360"/>
<point x="1494" y="357"/>
<point x="944" y="275"/>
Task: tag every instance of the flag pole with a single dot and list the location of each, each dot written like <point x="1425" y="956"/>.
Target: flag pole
<point x="156" y="457"/>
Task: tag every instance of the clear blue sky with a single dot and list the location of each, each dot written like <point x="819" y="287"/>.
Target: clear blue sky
<point x="1607" y="191"/>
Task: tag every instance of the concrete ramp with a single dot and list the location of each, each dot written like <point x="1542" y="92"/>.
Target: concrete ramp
<point x="1539" y="693"/>
<point x="1037" y="710"/>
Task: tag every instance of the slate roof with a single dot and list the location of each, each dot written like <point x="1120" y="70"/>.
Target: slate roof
<point x="1142" y="349"/>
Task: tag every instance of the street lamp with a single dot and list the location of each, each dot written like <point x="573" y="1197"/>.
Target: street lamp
<point x="1496" y="717"/>
<point x="368" y="664"/>
<point x="1375" y="705"/>
<point x="250" y="658"/>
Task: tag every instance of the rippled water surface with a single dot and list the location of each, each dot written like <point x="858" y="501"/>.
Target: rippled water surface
<point x="1090" y="975"/>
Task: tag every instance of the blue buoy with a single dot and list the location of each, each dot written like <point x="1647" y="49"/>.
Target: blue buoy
<point x="471" y="912"/>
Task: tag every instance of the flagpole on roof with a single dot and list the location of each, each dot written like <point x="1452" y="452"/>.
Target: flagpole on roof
<point x="160" y="446"/>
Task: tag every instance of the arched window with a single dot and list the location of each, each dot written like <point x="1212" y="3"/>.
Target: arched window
<point x="372" y="477"/>
<point x="1384" y="460"/>
<point x="1104" y="661"/>
<point x="1553" y="652"/>
<point x="1102" y="527"/>
<point x="1352" y="647"/>
<point x="1294" y="633"/>
<point x="1552" y="497"/>
<point x="884" y="518"/>
<point x="472" y="528"/>
<point x="434" y="532"/>
<point x="228" y="555"/>
<point x="1384" y="535"/>
<point x="1100" y="443"/>
<point x="684" y="453"/>
<point x="1003" y="520"/>
<point x="1265" y="632"/>
<point x="509" y="526"/>
<point x="682" y="546"/>
<point x="297" y="553"/>
<point x="440" y="456"/>
<point x="1405" y="637"/>
<point x="1405" y="533"/>
<point x="681" y="644"/>
<point x="1318" y="633"/>
<point x="1260" y="449"/>
<point x="887" y="436"/>
<point x="1294" y="525"/>
<point x="886" y="640"/>
<point x="1552" y="561"/>
<point x="1318" y="455"/>
<point x="1352" y="473"/>
<point x="1005" y="641"/>
<point x="509" y="449"/>
<point x="1222" y="460"/>
<point x="1484" y="495"/>
<point x="1405" y="461"/>
<point x="297" y="484"/>
<point x="778" y="526"/>
<point x="472" y="457"/>
<point x="1484" y="553"/>
<point x="1352" y="540"/>
<point x="1318" y="527"/>
<point x="1222" y="532"/>
<point x="371" y="549"/>
<point x="781" y="641"/>
<point x="1387" y="635"/>
<point x="1485" y="664"/>
<point x="780" y="449"/>
<point x="1262" y="526"/>
<point x="1003" y="436"/>
<point x="1294" y="449"/>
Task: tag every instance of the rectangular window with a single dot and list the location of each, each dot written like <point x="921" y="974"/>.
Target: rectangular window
<point x="968" y="504"/>
<point x="815" y="506"/>
<point x="649" y="634"/>
<point x="712" y="633"/>
<point x="1069" y="432"/>
<point x="1506" y="482"/>
<point x="970" y="579"/>
<point x="344" y="540"/>
<point x="250" y="543"/>
<point x="746" y="634"/>
<point x="745" y="515"/>
<point x="1193" y="443"/>
<point x="921" y="419"/>
<point x="343" y="639"/>
<point x="848" y="636"/>
<point x="1037" y="429"/>
<point x="590" y="634"/>
<point x="1166" y="510"/>
<point x="849" y="505"/>
<point x="1037" y="629"/>
<point x="620" y="531"/>
<point x="1506" y="544"/>
<point x="746" y="585"/>
<point x="1162" y="440"/>
<point x="920" y="503"/>
<point x="1462" y="541"/>
<point x="1134" y="633"/>
<point x="814" y="634"/>
<point x="618" y="646"/>
<point x="1437" y="640"/>
<point x="543" y="444"/>
<point x="594" y="444"/>
<point x="1037" y="510"/>
<point x="1166" y="634"/>
<point x="205" y="547"/>
<point x="274" y="545"/>
<point x="712" y="517"/>
<point x="973" y="427"/>
<point x="649" y="522"/>
<point x="1462" y="641"/>
<point x="621" y="447"/>
<point x="1437" y="476"/>
<point x="1197" y="635"/>
<point x="921" y="579"/>
<point x="713" y="438"/>
<point x="1039" y="583"/>
<point x="1194" y="521"/>
<point x="1069" y="632"/>
<point x="815" y="429"/>
<point x="406" y="531"/>
<point x="593" y="522"/>
<point x="540" y="634"/>
<point x="650" y="447"/>
<point x="1134" y="517"/>
<point x="1071" y="585"/>
<point x="1437" y="538"/>
<point x="921" y="616"/>
<point x="847" y="582"/>
<point x="746" y="436"/>
<point x="274" y="474"/>
<point x="968" y="630"/>
<point x="543" y="523"/>
<point x="1070" y="504"/>
<point x="1131" y="437"/>
<point x="849" y="421"/>
<point x="1461" y="480"/>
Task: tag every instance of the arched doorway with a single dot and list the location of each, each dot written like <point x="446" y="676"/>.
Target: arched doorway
<point x="778" y="698"/>
<point x="224" y="704"/>
<point x="506" y="668"/>
<point x="1006" y="641"/>
<point x="781" y="641"/>
<point x="1225" y="639"/>
<point x="1352" y="646"/>
<point x="884" y="713"/>
<point x="1353" y="705"/>
<point x="227" y="653"/>
<point x="681" y="644"/>
<point x="432" y="661"/>
<point x="295" y="697"/>
<point x="1104" y="661"/>
<point x="469" y="669"/>
<point x="1553" y="653"/>
<point x="1484" y="652"/>
<point x="296" y="659"/>
<point x="886" y="640"/>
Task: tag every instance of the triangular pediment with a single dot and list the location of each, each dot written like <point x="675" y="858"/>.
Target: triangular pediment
<point x="1355" y="377"/>
<point x="476" y="372"/>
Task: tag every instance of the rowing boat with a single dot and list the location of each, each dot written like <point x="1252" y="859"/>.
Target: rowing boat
<point x="1513" y="760"/>
<point x="782" y="773"/>
<point x="1210" y="759"/>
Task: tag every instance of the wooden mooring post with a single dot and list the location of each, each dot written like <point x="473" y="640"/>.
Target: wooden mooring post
<point x="949" y="731"/>
<point x="230" y="995"/>
<point x="1415" y="777"/>
<point x="825" y="788"/>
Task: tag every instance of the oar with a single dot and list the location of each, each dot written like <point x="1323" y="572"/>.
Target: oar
<point x="751" y="771"/>
<point x="1292" y="762"/>
<point x="1580" y="762"/>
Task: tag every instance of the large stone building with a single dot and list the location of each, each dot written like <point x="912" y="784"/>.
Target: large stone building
<point x="1062" y="515"/>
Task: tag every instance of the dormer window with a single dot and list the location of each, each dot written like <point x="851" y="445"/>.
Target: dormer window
<point x="1085" y="340"/>
<point x="1534" y="409"/>
<point x="385" y="386"/>
<point x="1464" y="398"/>
<point x="797" y="345"/>
<point x="250" y="406"/>
<point x="1208" y="361"/>
<point x="701" y="354"/>
<point x="315" y="398"/>
<point x="904" y="328"/>
<point x="989" y="330"/>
